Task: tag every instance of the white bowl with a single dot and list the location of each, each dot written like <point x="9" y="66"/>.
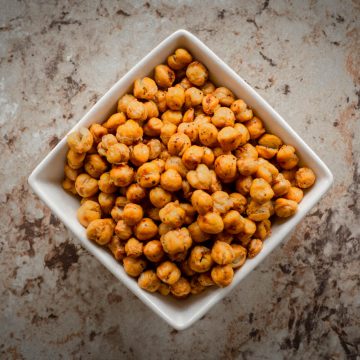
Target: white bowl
<point x="46" y="178"/>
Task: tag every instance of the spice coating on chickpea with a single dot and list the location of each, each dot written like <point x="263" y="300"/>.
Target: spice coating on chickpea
<point x="134" y="248"/>
<point x="222" y="253"/>
<point x="132" y="214"/>
<point x="149" y="281"/>
<point x="211" y="223"/>
<point x="305" y="178"/>
<point x="145" y="229"/>
<point x="176" y="241"/>
<point x="254" y="248"/>
<point x="285" y="208"/>
<point x="200" y="259"/>
<point x="171" y="180"/>
<point x="100" y="231"/>
<point x="86" y="186"/>
<point x="222" y="275"/>
<point x="181" y="288"/>
<point x="145" y="88"/>
<point x="178" y="144"/>
<point x="153" y="251"/>
<point x="197" y="73"/>
<point x="172" y="214"/>
<point x="164" y="76"/>
<point x="134" y="266"/>
<point x="168" y="272"/>
<point x="80" y="141"/>
<point x="87" y="212"/>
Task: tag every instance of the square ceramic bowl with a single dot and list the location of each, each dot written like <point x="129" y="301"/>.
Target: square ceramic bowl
<point x="46" y="178"/>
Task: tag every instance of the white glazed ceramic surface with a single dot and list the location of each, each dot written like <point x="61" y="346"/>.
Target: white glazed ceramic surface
<point x="46" y="178"/>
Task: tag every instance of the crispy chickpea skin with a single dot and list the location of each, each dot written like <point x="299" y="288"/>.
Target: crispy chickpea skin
<point x="259" y="212"/>
<point x="254" y="248"/>
<point x="160" y="100"/>
<point x="197" y="234"/>
<point x="261" y="191"/>
<point x="225" y="237"/>
<point x="200" y="259"/>
<point x="98" y="131"/>
<point x="168" y="272"/>
<point x="164" y="76"/>
<point x="201" y="201"/>
<point x="247" y="232"/>
<point x="159" y="197"/>
<point x="106" y="141"/>
<point x="115" y="120"/>
<point x="136" y="111"/>
<point x="86" y="186"/>
<point x="190" y="213"/>
<point x="105" y="184"/>
<point x="139" y="154"/>
<point x="181" y="288"/>
<point x="178" y="144"/>
<point x="153" y="251"/>
<point x="208" y="134"/>
<point x="255" y="127"/>
<point x="132" y="214"/>
<point x="268" y="146"/>
<point x="305" y="178"/>
<point x="145" y="88"/>
<point x="167" y="131"/>
<point x="192" y="156"/>
<point x="151" y="108"/>
<point x="87" y="212"/>
<point x="211" y="223"/>
<point x="135" y="193"/>
<point x="229" y="138"/>
<point x="179" y="59"/>
<point x="225" y="167"/>
<point x="122" y="175"/>
<point x="193" y="97"/>
<point x="233" y="222"/>
<point x="190" y="129"/>
<point x="263" y="229"/>
<point x="205" y="279"/>
<point x="172" y="214"/>
<point x="175" y="98"/>
<point x="134" y="248"/>
<point x="153" y="127"/>
<point x="197" y="73"/>
<point x="280" y="185"/>
<point x="222" y="253"/>
<point x="239" y="202"/>
<point x="223" y="117"/>
<point x="100" y="231"/>
<point x="222" y="201"/>
<point x="124" y="102"/>
<point x="175" y="162"/>
<point x="69" y="186"/>
<point x="129" y="133"/>
<point x="107" y="202"/>
<point x="200" y="178"/>
<point x="225" y="96"/>
<point x="95" y="165"/>
<point x="286" y="157"/>
<point x="145" y="229"/>
<point x="164" y="289"/>
<point x="240" y="254"/>
<point x="222" y="275"/>
<point x="123" y="230"/>
<point x="149" y="281"/>
<point x="116" y="213"/>
<point x="294" y="194"/>
<point x="196" y="287"/>
<point x="285" y="208"/>
<point x="176" y="241"/>
<point x="148" y="175"/>
<point x="172" y="117"/>
<point x="171" y="180"/>
<point x="117" y="154"/>
<point x="210" y="103"/>
<point x="266" y="171"/>
<point x="243" y="184"/>
<point x="154" y="146"/>
<point x="247" y="166"/>
<point x="75" y="160"/>
<point x="70" y="173"/>
<point x="80" y="141"/>
<point x="134" y="266"/>
<point x="241" y="110"/>
<point x="117" y="248"/>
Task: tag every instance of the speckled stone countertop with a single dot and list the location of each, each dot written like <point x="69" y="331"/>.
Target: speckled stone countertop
<point x="57" y="58"/>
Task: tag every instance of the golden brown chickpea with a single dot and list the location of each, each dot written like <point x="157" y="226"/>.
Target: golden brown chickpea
<point x="135" y="193"/>
<point x="200" y="178"/>
<point x="175" y="98"/>
<point x="240" y="256"/>
<point x="178" y="144"/>
<point x="164" y="76"/>
<point x="185" y="268"/>
<point x="115" y="120"/>
<point x="95" y="165"/>
<point x="233" y="222"/>
<point x="86" y="186"/>
<point x="98" y="131"/>
<point x="241" y="110"/>
<point x="136" y="111"/>
<point x="172" y="117"/>
<point x="134" y="266"/>
<point x="211" y="223"/>
<point x="197" y="234"/>
<point x="100" y="231"/>
<point x="105" y="184"/>
<point x="254" y="248"/>
<point x="176" y="241"/>
<point x="248" y="231"/>
<point x="189" y="116"/>
<point x="164" y="228"/>
<point x="167" y="131"/>
<point x="229" y="138"/>
<point x="259" y="212"/>
<point x="175" y="162"/>
<point x="280" y="186"/>
<point x="75" y="160"/>
<point x="107" y="202"/>
<point x="159" y="197"/>
<point x="196" y="287"/>
<point x="221" y="201"/>
<point x="262" y="229"/>
<point x="87" y="212"/>
<point x="139" y="154"/>
<point x="239" y="202"/>
<point x="285" y="208"/>
<point x="171" y="180"/>
<point x="153" y="127"/>
<point x="134" y="248"/>
<point x="247" y="166"/>
<point x="246" y="151"/>
<point x="149" y="281"/>
<point x="261" y="191"/>
<point x="148" y="175"/>
<point x="225" y="168"/>
<point x="124" y="102"/>
<point x="80" y="141"/>
<point x="304" y="177"/>
<point x="208" y="88"/>
<point x="243" y="133"/>
<point x="121" y="201"/>
<point x="208" y="158"/>
<point x="117" y="153"/>
<point x="193" y="97"/>
<point x="243" y="184"/>
<point x="208" y="134"/>
<point x="153" y="213"/>
<point x="201" y="201"/>
<point x="290" y="175"/>
<point x="122" y="175"/>
<point x="164" y="289"/>
<point x="186" y="189"/>
<point x="255" y="127"/>
<point x="153" y="251"/>
<point x="197" y="73"/>
<point x="168" y="272"/>
<point x="179" y="59"/>
<point x="223" y="117"/>
<point x="145" y="229"/>
<point x="225" y="96"/>
<point x="154" y="146"/>
<point x="123" y="230"/>
<point x="185" y="83"/>
<point x="189" y="213"/>
<point x="129" y="133"/>
<point x="160" y="100"/>
<point x="106" y="141"/>
<point x="286" y="157"/>
<point x="210" y="104"/>
<point x="172" y="214"/>
<point x="200" y="259"/>
<point x="222" y="253"/>
<point x="117" y="248"/>
<point x="215" y="183"/>
<point x="116" y="213"/>
<point x="224" y="237"/>
<point x="201" y="118"/>
<point x="222" y="275"/>
<point x="294" y="194"/>
<point x="70" y="173"/>
<point x="145" y="88"/>
<point x="152" y="110"/>
<point x="268" y="146"/>
<point x="178" y="257"/>
<point x="132" y="214"/>
<point x="205" y="279"/>
<point x="266" y="171"/>
<point x="181" y="288"/>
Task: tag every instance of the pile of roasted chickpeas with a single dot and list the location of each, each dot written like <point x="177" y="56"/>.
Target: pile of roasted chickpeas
<point x="182" y="182"/>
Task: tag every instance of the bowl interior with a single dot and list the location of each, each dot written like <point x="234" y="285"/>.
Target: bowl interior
<point x="46" y="178"/>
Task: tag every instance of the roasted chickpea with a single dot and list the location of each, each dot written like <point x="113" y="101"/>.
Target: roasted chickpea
<point x="224" y="237"/>
<point x="208" y="134"/>
<point x="117" y="153"/>
<point x="221" y="201"/>
<point x="190" y="213"/>
<point x="121" y="201"/>
<point x="167" y="131"/>
<point x="129" y="133"/>
<point x="98" y="131"/>
<point x="136" y="111"/>
<point x="259" y="212"/>
<point x="107" y="202"/>
<point x="159" y="197"/>
<point x="200" y="178"/>
<point x="246" y="151"/>
<point x="88" y="212"/>
<point x="153" y="213"/>
<point x="268" y="146"/>
<point x="285" y="208"/>
<point x="210" y="103"/>
<point x="116" y="213"/>
<point x="164" y="228"/>
<point x="164" y="76"/>
<point x="117" y="248"/>
<point x="247" y="232"/>
<point x="189" y="116"/>
<point x="164" y="289"/>
<point x="69" y="186"/>
<point x="201" y="201"/>
<point x="225" y="167"/>
<point x="222" y="275"/>
<point x="105" y="184"/>
<point x="241" y="110"/>
<point x="132" y="214"/>
<point x="160" y="100"/>
<point x="196" y="287"/>
<point x="185" y="83"/>
<point x="174" y="162"/>
<point x="215" y="183"/>
<point x="280" y="186"/>
<point x="261" y="191"/>
<point x="134" y="266"/>
<point x="171" y="180"/>
<point x="266" y="171"/>
<point x="255" y="127"/>
<point x="211" y="223"/>
<point x="71" y="173"/>
<point x="149" y="281"/>
<point x="223" y="117"/>
<point x="135" y="193"/>
<point x="225" y="96"/>
<point x="181" y="288"/>
<point x="175" y="98"/>
<point x="153" y="127"/>
<point x="172" y="214"/>
<point x="152" y="110"/>
<point x="243" y="184"/>
<point x="134" y="248"/>
<point x="153" y="251"/>
<point x="222" y="253"/>
<point x="205" y="279"/>
<point x="178" y="144"/>
<point x="193" y="97"/>
<point x="106" y="141"/>
<point x="286" y="157"/>
<point x="145" y="88"/>
<point x="244" y="134"/>
<point x="95" y="165"/>
<point x="295" y="194"/>
<point x="168" y="272"/>
<point x="200" y="259"/>
<point x="139" y="154"/>
<point x="229" y="138"/>
<point x="123" y="230"/>
<point x="176" y="241"/>
<point x="233" y="222"/>
<point x="122" y="175"/>
<point x="75" y="160"/>
<point x="148" y="175"/>
<point x="115" y="120"/>
<point x="124" y="102"/>
<point x="240" y="254"/>
<point x="197" y="234"/>
<point x="154" y="146"/>
<point x="208" y="158"/>
<point x="80" y="141"/>
<point x="145" y="229"/>
<point x="179" y="59"/>
<point x="305" y="178"/>
<point x="254" y="248"/>
<point x="100" y="231"/>
<point x="247" y="166"/>
<point x="185" y="268"/>
<point x="172" y="117"/>
<point x="239" y="202"/>
<point x="86" y="186"/>
<point x="201" y="119"/>
<point x="262" y="229"/>
<point x="197" y="73"/>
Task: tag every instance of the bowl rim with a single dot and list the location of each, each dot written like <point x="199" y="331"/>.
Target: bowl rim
<point x="35" y="179"/>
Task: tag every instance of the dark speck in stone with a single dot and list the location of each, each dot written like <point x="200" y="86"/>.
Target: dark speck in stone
<point x="122" y="12"/>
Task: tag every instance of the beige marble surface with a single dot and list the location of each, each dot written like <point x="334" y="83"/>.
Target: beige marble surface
<point x="57" y="58"/>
